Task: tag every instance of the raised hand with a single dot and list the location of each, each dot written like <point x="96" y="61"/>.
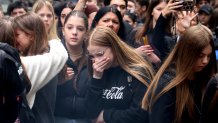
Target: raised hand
<point x="171" y="7"/>
<point x="185" y="19"/>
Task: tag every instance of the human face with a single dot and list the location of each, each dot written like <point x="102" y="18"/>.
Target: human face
<point x="110" y="20"/>
<point x="203" y="59"/>
<point x="18" y="12"/>
<point x="128" y="20"/>
<point x="131" y="6"/>
<point x="64" y="13"/>
<point x="99" y="53"/>
<point x="138" y="9"/>
<point x="203" y="2"/>
<point x="74" y="31"/>
<point x="23" y="40"/>
<point x="157" y="10"/>
<point x="204" y="18"/>
<point x="120" y="5"/>
<point x="46" y="16"/>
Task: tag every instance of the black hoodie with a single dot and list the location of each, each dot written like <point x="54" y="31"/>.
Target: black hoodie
<point x="11" y="84"/>
<point x="119" y="95"/>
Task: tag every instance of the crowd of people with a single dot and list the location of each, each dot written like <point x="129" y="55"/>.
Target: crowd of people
<point x="109" y="61"/>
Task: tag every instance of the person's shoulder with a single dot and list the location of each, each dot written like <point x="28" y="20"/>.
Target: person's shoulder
<point x="213" y="83"/>
<point x="9" y="52"/>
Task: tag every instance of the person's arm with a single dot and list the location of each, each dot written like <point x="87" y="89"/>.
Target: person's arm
<point x="80" y="6"/>
<point x="42" y="68"/>
<point x="159" y="34"/>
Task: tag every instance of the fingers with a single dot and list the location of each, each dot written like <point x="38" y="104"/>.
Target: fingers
<point x="100" y="66"/>
<point x="195" y="15"/>
<point x="170" y="1"/>
<point x="175" y="5"/>
<point x="171" y="7"/>
<point x="69" y="74"/>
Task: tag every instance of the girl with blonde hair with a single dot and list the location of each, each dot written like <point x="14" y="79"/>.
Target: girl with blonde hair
<point x="46" y="11"/>
<point x="120" y="77"/>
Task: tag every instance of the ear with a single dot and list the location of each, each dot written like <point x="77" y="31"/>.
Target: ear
<point x="31" y="37"/>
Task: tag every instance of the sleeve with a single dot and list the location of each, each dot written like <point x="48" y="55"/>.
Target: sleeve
<point x="73" y="106"/>
<point x="93" y="101"/>
<point x="163" y="109"/>
<point x="158" y="37"/>
<point x="134" y="114"/>
<point x="88" y="107"/>
<point x="42" y="68"/>
<point x="10" y="79"/>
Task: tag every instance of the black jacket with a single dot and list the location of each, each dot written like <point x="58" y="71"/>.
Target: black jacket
<point x="163" y="41"/>
<point x="209" y="114"/>
<point x="163" y="110"/>
<point x="44" y="104"/>
<point x="11" y="84"/>
<point x="119" y="95"/>
<point x="71" y="95"/>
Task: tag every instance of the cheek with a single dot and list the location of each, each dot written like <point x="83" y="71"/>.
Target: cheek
<point x="156" y="14"/>
<point x="81" y="34"/>
<point x="100" y="23"/>
<point x="116" y="28"/>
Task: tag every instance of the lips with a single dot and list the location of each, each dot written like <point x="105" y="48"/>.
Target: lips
<point x="73" y="39"/>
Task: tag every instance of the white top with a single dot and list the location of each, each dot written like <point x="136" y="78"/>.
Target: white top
<point x="42" y="68"/>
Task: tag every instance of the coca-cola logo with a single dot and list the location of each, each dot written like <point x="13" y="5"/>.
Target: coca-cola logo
<point x="114" y="93"/>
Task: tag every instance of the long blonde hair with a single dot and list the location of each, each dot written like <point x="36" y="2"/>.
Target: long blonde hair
<point x="52" y="32"/>
<point x="183" y="57"/>
<point x="126" y="56"/>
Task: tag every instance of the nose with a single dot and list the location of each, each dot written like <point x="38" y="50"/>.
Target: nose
<point x="110" y="24"/>
<point x="45" y="18"/>
<point x="205" y="60"/>
<point x="74" y="31"/>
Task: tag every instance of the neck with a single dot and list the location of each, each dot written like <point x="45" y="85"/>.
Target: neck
<point x="154" y="23"/>
<point x="75" y="52"/>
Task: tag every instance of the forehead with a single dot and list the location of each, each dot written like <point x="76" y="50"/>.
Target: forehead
<point x="207" y="50"/>
<point x="75" y="20"/>
<point x="117" y="2"/>
<point x="92" y="48"/>
<point x="110" y="15"/>
<point x="44" y="9"/>
<point x="66" y="10"/>
<point x="19" y="9"/>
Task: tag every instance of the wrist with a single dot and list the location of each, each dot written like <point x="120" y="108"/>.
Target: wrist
<point x="97" y="76"/>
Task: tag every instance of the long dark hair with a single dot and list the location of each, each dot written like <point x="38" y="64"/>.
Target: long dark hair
<point x="79" y="64"/>
<point x="104" y="10"/>
<point x="148" y="22"/>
